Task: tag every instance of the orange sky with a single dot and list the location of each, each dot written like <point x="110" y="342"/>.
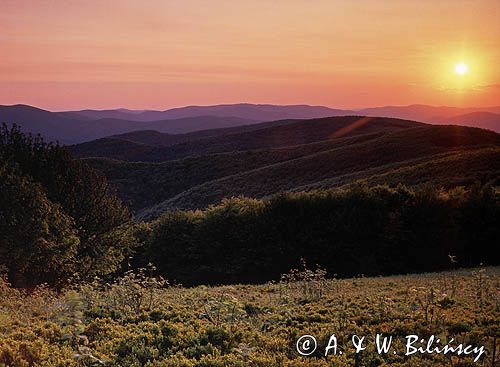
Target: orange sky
<point x="159" y="54"/>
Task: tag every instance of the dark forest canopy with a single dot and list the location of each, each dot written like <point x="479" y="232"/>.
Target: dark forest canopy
<point x="154" y="172"/>
<point x="57" y="215"/>
<point x="360" y="230"/>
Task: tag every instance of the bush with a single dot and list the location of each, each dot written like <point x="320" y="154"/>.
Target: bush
<point x="355" y="231"/>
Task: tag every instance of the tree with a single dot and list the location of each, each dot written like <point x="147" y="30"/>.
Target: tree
<point x="79" y="193"/>
<point x="38" y="241"/>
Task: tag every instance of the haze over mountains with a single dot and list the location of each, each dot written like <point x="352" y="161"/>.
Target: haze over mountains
<point x="72" y="127"/>
<point x="256" y="112"/>
<point x="196" y="156"/>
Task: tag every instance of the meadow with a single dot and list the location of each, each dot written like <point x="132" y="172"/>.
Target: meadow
<point x="77" y="287"/>
<point x="141" y="320"/>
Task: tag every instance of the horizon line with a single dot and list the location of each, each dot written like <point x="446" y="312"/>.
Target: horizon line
<point x="249" y="103"/>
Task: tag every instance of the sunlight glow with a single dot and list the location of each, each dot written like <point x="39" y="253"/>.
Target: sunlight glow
<point x="461" y="68"/>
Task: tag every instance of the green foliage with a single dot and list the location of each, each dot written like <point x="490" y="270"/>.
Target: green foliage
<point x="39" y="241"/>
<point x="348" y="232"/>
<point x="246" y="325"/>
<point x="57" y="215"/>
<point x="129" y="294"/>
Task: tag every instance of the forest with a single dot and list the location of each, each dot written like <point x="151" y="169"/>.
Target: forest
<point x="60" y="219"/>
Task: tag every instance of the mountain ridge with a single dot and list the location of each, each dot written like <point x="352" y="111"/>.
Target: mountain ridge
<point x="286" y="160"/>
<point x="265" y="135"/>
<point x="309" y="169"/>
<point x="59" y="127"/>
<point x="70" y="127"/>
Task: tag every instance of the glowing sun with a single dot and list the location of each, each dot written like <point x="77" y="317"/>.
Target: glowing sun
<point x="461" y="68"/>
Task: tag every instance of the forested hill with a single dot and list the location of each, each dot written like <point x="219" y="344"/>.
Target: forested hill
<point x="154" y="172"/>
<point x="61" y="219"/>
<point x="141" y="146"/>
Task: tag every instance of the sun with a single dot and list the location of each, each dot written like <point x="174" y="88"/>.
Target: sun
<point x="461" y="68"/>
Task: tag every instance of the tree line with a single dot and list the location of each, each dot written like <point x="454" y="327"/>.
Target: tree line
<point x="357" y="231"/>
<point x="59" y="217"/>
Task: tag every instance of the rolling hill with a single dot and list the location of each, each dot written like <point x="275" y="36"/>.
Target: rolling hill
<point x="71" y="127"/>
<point x="261" y="136"/>
<point x="142" y="184"/>
<point x="293" y="155"/>
<point x="147" y="145"/>
<point x="192" y="162"/>
<point x="266" y="112"/>
<point x="484" y="120"/>
<point x="411" y="149"/>
<point x="485" y="117"/>
<point x="51" y="126"/>
<point x="88" y="114"/>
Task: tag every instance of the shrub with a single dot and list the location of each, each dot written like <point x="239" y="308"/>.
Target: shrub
<point x="349" y="232"/>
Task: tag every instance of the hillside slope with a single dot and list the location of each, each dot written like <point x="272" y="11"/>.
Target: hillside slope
<point x="147" y="145"/>
<point x="51" y="126"/>
<point x="484" y="120"/>
<point x="67" y="128"/>
<point x="305" y="155"/>
<point x="354" y="162"/>
<point x="142" y="184"/>
<point x="261" y="136"/>
<point x="254" y="317"/>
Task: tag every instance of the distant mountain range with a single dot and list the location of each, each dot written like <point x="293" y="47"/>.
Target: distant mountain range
<point x="485" y="118"/>
<point x="256" y="112"/>
<point x="70" y="127"/>
<point x="62" y="127"/>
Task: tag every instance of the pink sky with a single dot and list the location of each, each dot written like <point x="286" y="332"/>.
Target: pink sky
<point x="160" y="54"/>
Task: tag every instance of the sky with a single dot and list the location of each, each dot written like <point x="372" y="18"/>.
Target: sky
<point x="154" y="54"/>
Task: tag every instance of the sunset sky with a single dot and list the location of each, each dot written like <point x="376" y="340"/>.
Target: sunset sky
<point x="159" y="54"/>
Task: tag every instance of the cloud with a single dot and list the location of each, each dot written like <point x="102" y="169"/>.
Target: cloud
<point x="491" y="87"/>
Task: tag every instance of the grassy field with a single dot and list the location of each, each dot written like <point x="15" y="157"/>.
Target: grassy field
<point x="142" y="321"/>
